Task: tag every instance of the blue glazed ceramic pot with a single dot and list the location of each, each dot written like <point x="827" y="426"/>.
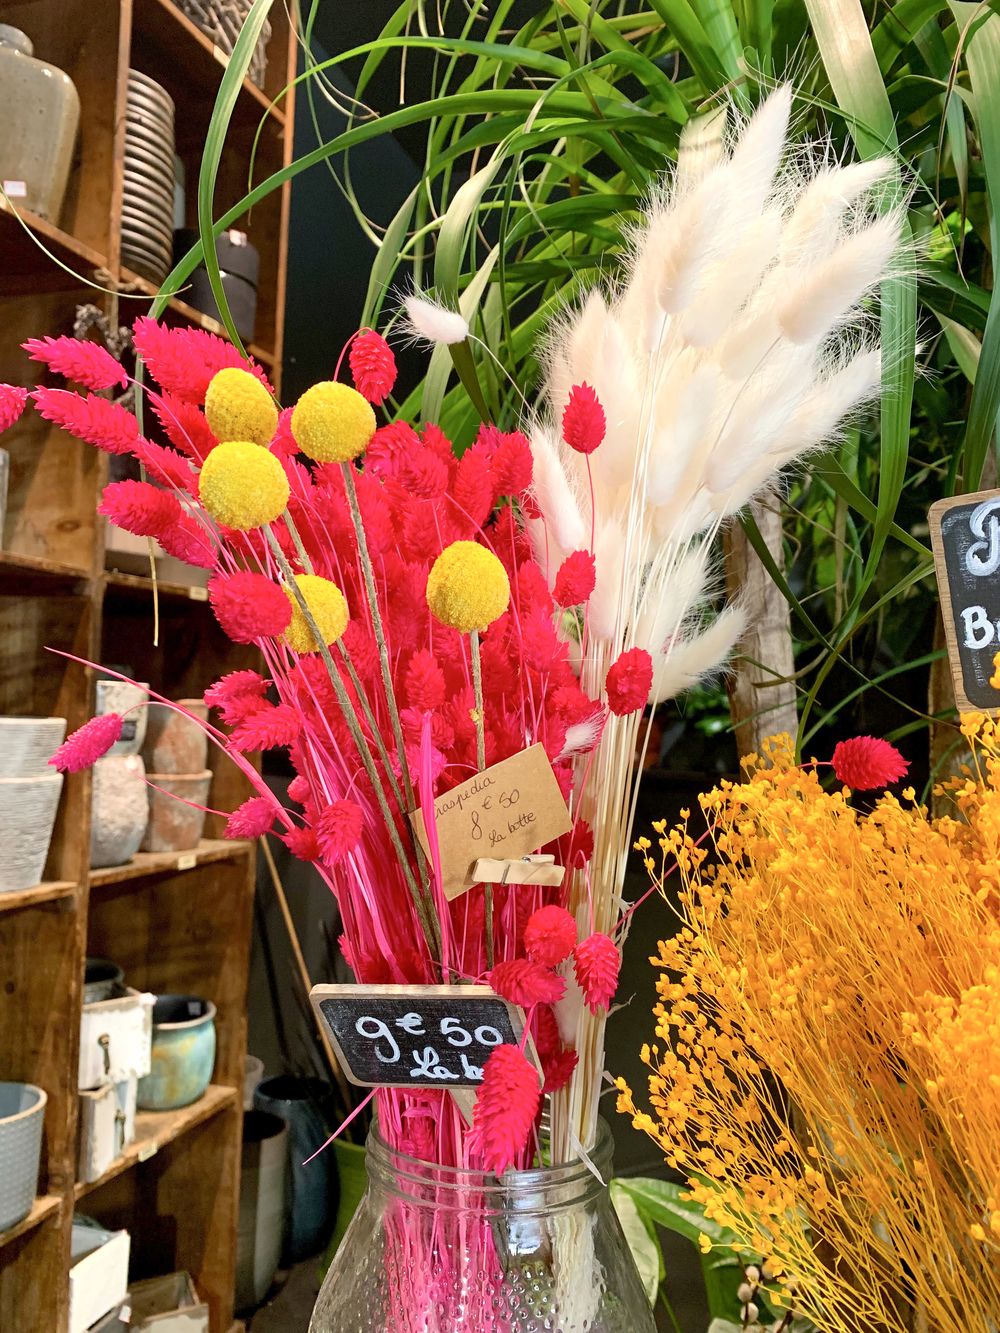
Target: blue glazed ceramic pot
<point x="307" y="1107"/>
<point x="183" y="1053"/>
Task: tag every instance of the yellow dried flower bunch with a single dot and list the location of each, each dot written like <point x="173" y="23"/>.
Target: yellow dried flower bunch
<point x="826" y="1071"/>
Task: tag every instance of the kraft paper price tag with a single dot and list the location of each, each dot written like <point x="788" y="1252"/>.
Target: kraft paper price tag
<point x="505" y="812"/>
<point x="417" y="1036"/>
<point x="188" y="861"/>
<point x="965" y="535"/>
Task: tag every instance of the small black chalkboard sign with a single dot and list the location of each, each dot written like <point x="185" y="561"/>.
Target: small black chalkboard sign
<point x="417" y="1036"/>
<point x="965" y="535"/>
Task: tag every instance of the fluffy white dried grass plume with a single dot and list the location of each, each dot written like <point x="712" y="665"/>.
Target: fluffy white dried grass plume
<point x="428" y="321"/>
<point x="735" y="344"/>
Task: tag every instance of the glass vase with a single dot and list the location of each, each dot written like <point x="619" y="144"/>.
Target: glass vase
<point x="433" y="1249"/>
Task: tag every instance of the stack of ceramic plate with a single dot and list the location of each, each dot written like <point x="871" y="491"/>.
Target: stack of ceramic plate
<point x="147" y="208"/>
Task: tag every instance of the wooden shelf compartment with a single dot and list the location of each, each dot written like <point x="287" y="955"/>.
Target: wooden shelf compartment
<point x="181" y="312"/>
<point x="154" y="1130"/>
<point x="179" y="1205"/>
<point x="117" y="583"/>
<point x="41" y="574"/>
<point x="168" y="47"/>
<point x="34" y="1271"/>
<point x="82" y="38"/>
<point x="44" y="1206"/>
<point x="51" y="521"/>
<point x="146" y="864"/>
<point x="33" y="250"/>
<point x="205" y="914"/>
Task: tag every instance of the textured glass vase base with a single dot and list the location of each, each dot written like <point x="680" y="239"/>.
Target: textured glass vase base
<point x="432" y="1250"/>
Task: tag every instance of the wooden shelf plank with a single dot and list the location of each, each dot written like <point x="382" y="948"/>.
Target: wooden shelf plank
<point x="193" y="315"/>
<point x="48" y="892"/>
<point x="157" y="863"/>
<point x="164" y="26"/>
<point x="21" y="247"/>
<point x="44" y="1206"/>
<point x="155" y="1129"/>
<point x="38" y="569"/>
<point x="116" y="581"/>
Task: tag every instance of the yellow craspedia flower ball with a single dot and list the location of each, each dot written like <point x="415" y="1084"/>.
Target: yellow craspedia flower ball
<point x="328" y="608"/>
<point x="332" y="423"/>
<point x="242" y="485"/>
<point x="467" y="587"/>
<point x="238" y="407"/>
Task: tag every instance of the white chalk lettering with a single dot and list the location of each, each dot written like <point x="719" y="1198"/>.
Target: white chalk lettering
<point x="375" y="1030"/>
<point x="427" y="1064"/>
<point x="979" y="629"/>
<point x="412" y="1023"/>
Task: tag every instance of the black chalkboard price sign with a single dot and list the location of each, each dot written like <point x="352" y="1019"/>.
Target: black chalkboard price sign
<point x="965" y="535"/>
<point x="417" y="1036"/>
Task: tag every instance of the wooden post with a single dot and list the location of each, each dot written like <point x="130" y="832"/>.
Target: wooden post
<point x="762" y="695"/>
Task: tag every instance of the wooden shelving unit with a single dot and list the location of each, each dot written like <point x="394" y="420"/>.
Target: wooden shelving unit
<point x="177" y="922"/>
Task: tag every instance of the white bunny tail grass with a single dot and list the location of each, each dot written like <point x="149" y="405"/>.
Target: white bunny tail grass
<point x="428" y="321"/>
<point x="738" y="340"/>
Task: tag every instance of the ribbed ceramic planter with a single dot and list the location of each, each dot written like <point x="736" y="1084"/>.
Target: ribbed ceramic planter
<point x="175" y="826"/>
<point x="174" y="743"/>
<point x="183" y="1053"/>
<point x="119" y="810"/>
<point x="307" y="1107"/>
<point x="263" y="1205"/>
<point x="22" y="1115"/>
<point x="28" y="743"/>
<point x="27" y="813"/>
<point x="121" y="696"/>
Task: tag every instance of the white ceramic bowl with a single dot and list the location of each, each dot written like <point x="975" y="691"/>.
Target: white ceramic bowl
<point x="27" y="813"/>
<point x="28" y="743"/>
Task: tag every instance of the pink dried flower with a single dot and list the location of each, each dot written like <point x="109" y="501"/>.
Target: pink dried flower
<point x="283" y="442"/>
<point x="85" y="363"/>
<point x="105" y="425"/>
<point x="596" y="962"/>
<point x="511" y="465"/>
<point x="864" y="762"/>
<point x="185" y="539"/>
<point x="524" y="982"/>
<point x="373" y="366"/>
<point x="166" y="466"/>
<point x="424" y="684"/>
<point x="549" y="935"/>
<point x="505" y="1108"/>
<point x="629" y="681"/>
<point x="139" y="507"/>
<point x="338" y="830"/>
<point x="268" y="728"/>
<point x="298" y="790"/>
<point x="184" y="424"/>
<point x="237" y="695"/>
<point x="88" y="743"/>
<point x="12" y="401"/>
<point x="302" y="843"/>
<point x="184" y="361"/>
<point x="583" y="423"/>
<point x="249" y="606"/>
<point x="252" y="819"/>
<point x="575" y="580"/>
<point x="558" y="1068"/>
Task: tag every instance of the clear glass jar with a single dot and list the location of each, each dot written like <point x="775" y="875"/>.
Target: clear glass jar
<point x="438" y="1250"/>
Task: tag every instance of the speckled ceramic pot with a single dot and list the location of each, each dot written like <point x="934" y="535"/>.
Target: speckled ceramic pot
<point x="183" y="1053"/>
<point x="119" y="810"/>
<point x="121" y="696"/>
<point x="174" y="825"/>
<point x="40" y="112"/>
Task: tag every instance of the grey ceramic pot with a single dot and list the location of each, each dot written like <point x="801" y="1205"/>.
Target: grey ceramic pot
<point x="22" y="1115"/>
<point x="307" y="1107"/>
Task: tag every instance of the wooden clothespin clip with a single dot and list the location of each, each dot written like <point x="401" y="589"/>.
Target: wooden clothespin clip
<point x="539" y="868"/>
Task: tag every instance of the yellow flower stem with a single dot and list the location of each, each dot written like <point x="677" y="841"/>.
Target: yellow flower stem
<point x="383" y="651"/>
<point x="477" y="686"/>
<point x="427" y="921"/>
<point x="366" y="708"/>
